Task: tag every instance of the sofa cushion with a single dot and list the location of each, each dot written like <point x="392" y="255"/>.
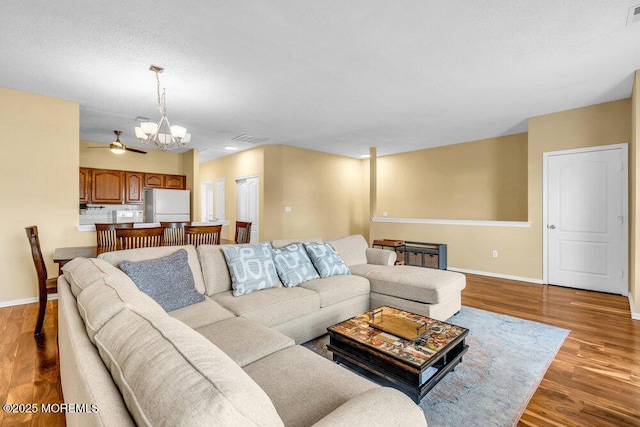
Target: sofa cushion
<point x="142" y="254"/>
<point x="147" y="354"/>
<point x="168" y="280"/>
<point x="326" y="260"/>
<point x="214" y="269"/>
<point x="352" y="249"/>
<point x="102" y="300"/>
<point x="244" y="340"/>
<point x="82" y="272"/>
<point x="271" y="306"/>
<point x="336" y="289"/>
<point x="251" y="267"/>
<point x="419" y="284"/>
<point x="293" y="265"/>
<point x="303" y="386"/>
<point x="201" y="314"/>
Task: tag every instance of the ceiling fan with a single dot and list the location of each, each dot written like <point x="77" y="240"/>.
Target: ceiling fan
<point x="118" y="147"/>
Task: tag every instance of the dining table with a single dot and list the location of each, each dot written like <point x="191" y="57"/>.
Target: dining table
<point x="61" y="256"/>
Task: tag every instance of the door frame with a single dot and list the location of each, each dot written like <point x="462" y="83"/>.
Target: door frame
<point x="255" y="226"/>
<point x="624" y="147"/>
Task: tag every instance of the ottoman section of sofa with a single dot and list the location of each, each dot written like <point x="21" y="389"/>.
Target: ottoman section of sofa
<point x="426" y="285"/>
<point x="270" y="306"/>
<point x="244" y="340"/>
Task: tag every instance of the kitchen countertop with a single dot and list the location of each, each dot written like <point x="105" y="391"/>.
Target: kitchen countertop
<point x="91" y="227"/>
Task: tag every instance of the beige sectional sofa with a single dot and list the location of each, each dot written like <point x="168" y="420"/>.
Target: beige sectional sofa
<point x="231" y="360"/>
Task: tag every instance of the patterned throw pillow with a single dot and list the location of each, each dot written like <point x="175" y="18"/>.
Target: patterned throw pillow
<point x="293" y="265"/>
<point x="251" y="267"/>
<point x="326" y="260"/>
<point x="168" y="280"/>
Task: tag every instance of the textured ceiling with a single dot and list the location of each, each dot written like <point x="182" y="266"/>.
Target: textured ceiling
<point x="335" y="76"/>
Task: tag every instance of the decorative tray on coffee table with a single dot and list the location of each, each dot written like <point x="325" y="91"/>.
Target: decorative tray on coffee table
<point x="402" y="327"/>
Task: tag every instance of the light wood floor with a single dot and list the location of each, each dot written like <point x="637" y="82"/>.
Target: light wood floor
<point x="593" y="381"/>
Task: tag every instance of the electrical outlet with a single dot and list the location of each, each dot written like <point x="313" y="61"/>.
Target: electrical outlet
<point x="495" y="253"/>
<point x="385" y="214"/>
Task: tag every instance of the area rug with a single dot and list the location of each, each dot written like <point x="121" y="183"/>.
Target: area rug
<point x="506" y="361"/>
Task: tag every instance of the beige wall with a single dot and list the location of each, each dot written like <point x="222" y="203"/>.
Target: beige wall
<point x="229" y="168"/>
<point x="323" y="190"/>
<point x="481" y="180"/>
<point x="40" y="175"/>
<point x="520" y="249"/>
<point x="634" y="200"/>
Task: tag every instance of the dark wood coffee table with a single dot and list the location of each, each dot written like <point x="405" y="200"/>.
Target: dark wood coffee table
<point x="413" y="355"/>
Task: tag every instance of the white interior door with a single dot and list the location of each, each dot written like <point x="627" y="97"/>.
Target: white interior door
<point x="586" y="215"/>
<point x="206" y="191"/>
<point x="247" y="196"/>
<point x="220" y="200"/>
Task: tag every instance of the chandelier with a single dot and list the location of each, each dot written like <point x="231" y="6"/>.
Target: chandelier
<point x="152" y="133"/>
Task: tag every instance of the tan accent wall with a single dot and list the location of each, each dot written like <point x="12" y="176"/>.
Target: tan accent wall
<point x="40" y="185"/>
<point x="191" y="169"/>
<point x="480" y="180"/>
<point x="520" y="249"/>
<point x="243" y="164"/>
<point x="634" y="200"/>
<point x="154" y="161"/>
<point x="324" y="191"/>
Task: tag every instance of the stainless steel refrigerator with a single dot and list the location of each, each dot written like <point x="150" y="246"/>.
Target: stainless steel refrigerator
<point x="166" y="205"/>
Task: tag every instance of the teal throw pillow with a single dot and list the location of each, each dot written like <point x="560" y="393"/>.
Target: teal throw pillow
<point x="293" y="265"/>
<point x="251" y="267"/>
<point x="326" y="260"/>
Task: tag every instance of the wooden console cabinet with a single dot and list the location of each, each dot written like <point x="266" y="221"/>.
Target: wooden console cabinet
<point x="419" y="254"/>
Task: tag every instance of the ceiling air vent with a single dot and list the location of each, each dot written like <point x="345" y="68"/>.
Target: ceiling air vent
<point x="248" y="139"/>
<point x="634" y="14"/>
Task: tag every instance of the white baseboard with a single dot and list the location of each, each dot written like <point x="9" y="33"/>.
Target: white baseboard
<point x="25" y="301"/>
<point x="498" y="275"/>
<point x="634" y="315"/>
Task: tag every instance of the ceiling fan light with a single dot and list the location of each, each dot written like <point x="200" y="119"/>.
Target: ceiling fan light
<point x="178" y="131"/>
<point x="117" y="148"/>
<point x="149" y="128"/>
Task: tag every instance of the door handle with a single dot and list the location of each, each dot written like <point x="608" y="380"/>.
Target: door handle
<point x="551" y="227"/>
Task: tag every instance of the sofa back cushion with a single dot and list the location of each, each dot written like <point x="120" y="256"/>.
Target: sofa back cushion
<point x="82" y="272"/>
<point x="214" y="269"/>
<point x="352" y="249"/>
<point x="148" y="354"/>
<point x="102" y="300"/>
<point x="143" y="254"/>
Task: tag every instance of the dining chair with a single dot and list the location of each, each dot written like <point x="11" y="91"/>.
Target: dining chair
<point x="106" y="234"/>
<point x="243" y="232"/>
<point x="174" y="232"/>
<point x="202" y="234"/>
<point x="45" y="286"/>
<point x="132" y="238"/>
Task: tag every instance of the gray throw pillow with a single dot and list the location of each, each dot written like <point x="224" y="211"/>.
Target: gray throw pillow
<point x="251" y="267"/>
<point x="293" y="265"/>
<point x="168" y="280"/>
<point x="326" y="260"/>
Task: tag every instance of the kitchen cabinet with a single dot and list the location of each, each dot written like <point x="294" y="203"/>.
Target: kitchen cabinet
<point x="85" y="185"/>
<point x="133" y="183"/>
<point x="174" y="182"/>
<point x="154" y="180"/>
<point x="107" y="186"/>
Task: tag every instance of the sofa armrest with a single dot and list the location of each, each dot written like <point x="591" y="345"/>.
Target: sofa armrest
<point x="381" y="406"/>
<point x="381" y="256"/>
